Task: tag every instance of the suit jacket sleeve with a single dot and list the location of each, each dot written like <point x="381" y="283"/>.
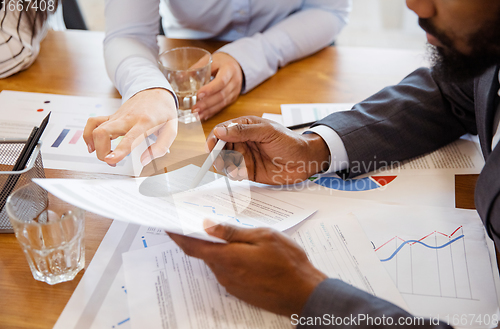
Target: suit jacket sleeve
<point x="417" y="116"/>
<point x="338" y="299"/>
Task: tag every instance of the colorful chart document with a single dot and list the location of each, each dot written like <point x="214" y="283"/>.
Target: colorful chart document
<point x="168" y="289"/>
<point x="63" y="146"/>
<point x="435" y="254"/>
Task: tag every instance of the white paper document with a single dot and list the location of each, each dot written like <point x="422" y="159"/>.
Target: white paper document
<point x="274" y="117"/>
<point x="435" y="255"/>
<point x="161" y="201"/>
<point x="63" y="146"/>
<point x="296" y="114"/>
<point x="100" y="299"/>
<point x="339" y="248"/>
<point x="167" y="289"/>
<point x="428" y="190"/>
<point x="463" y="156"/>
<point x="428" y="270"/>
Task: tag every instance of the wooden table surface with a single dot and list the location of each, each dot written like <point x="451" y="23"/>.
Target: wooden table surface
<point x="71" y="63"/>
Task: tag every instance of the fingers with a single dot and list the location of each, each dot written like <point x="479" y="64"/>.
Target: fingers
<point x="232" y="233"/>
<point x="223" y="90"/>
<point x="222" y="78"/>
<point x="249" y="120"/>
<point x="212" y="105"/>
<point x="233" y="164"/>
<point x="194" y="247"/>
<point x="240" y="133"/>
<point x="140" y="114"/>
<point x="237" y="173"/>
<point x="92" y="123"/>
<point x="216" y="95"/>
<point x="166" y="136"/>
<point x="201" y="62"/>
<point x="132" y="138"/>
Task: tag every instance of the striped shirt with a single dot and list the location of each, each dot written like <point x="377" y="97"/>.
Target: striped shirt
<point x="19" y="44"/>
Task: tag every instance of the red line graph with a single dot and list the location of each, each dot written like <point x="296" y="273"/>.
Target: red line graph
<point x="421" y="239"/>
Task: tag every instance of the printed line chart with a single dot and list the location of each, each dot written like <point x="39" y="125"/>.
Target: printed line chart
<point x="215" y="212"/>
<point x="433" y="265"/>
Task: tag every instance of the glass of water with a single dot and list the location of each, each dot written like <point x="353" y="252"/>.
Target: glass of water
<point x="50" y="233"/>
<point x="187" y="69"/>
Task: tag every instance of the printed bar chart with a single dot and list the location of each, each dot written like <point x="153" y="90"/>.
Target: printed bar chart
<point x="60" y="138"/>
<point x="78" y="134"/>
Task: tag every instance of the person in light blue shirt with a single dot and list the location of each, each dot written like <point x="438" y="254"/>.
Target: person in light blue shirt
<point x="264" y="36"/>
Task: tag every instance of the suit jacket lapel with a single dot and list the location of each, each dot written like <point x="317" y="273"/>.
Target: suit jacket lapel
<point x="485" y="93"/>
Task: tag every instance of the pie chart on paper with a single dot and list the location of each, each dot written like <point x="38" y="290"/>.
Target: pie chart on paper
<point x="353" y="185"/>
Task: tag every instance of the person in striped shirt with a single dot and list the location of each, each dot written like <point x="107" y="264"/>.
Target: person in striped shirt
<point x="23" y="25"/>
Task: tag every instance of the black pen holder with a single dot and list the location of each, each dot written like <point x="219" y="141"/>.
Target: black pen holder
<point x="9" y="152"/>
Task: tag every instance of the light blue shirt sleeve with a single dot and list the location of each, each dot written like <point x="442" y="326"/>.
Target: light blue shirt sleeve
<point x="302" y="33"/>
<point x="274" y="34"/>
<point x="130" y="46"/>
<point x="338" y="154"/>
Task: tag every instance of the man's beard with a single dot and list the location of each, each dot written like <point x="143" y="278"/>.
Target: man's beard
<point x="451" y="65"/>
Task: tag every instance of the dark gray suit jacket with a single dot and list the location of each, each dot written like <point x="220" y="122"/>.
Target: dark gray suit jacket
<point x="417" y="116"/>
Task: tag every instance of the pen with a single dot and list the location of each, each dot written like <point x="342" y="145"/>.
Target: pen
<point x="301" y="125"/>
<point x="22" y="159"/>
<point x="210" y="160"/>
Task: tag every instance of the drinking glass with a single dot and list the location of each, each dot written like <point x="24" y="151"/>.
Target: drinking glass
<point x="50" y="233"/>
<point x="187" y="69"/>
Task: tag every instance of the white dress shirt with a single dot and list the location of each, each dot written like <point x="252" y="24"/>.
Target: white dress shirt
<point x="266" y="34"/>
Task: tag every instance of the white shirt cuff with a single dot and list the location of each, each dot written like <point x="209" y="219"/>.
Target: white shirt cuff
<point x="338" y="154"/>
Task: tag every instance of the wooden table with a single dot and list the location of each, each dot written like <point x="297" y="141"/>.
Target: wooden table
<point x="71" y="63"/>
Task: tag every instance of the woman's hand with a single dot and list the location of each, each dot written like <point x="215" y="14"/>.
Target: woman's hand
<point x="223" y="90"/>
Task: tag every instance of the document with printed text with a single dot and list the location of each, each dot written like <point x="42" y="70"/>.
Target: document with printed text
<point x="162" y="201"/>
<point x="168" y="289"/>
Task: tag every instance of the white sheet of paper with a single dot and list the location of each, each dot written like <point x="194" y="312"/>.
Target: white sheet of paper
<point x="295" y="114"/>
<point x="382" y="222"/>
<point x="100" y="299"/>
<point x="166" y="288"/>
<point x="339" y="248"/>
<point x="62" y="144"/>
<point x="436" y="190"/>
<point x="274" y="117"/>
<point x="435" y="254"/>
<point x="140" y="201"/>
<point x="463" y="156"/>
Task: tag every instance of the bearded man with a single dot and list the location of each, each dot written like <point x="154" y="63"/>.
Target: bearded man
<point x="427" y="110"/>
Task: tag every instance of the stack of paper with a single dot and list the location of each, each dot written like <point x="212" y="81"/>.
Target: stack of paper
<point x="433" y="261"/>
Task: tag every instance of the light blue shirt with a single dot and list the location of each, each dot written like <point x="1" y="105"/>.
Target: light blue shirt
<point x="266" y="34"/>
